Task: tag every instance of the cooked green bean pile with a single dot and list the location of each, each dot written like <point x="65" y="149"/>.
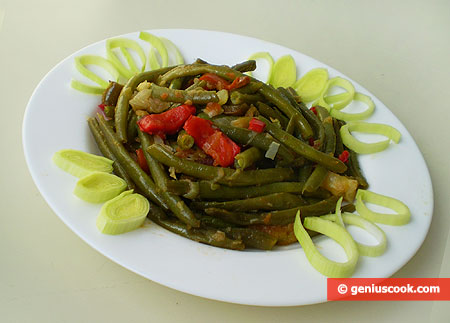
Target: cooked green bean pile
<point x="223" y="158"/>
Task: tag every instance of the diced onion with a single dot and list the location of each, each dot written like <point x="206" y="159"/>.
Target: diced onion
<point x="273" y="150"/>
<point x="372" y="128"/>
<point x="99" y="187"/>
<point x="124" y="44"/>
<point x="322" y="264"/>
<point x="266" y="56"/>
<point x="403" y="213"/>
<point x="123" y="213"/>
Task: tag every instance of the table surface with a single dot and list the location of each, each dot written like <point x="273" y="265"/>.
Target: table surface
<point x="398" y="50"/>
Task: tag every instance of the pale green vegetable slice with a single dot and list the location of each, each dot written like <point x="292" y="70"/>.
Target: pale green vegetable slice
<point x="123" y="213"/>
<point x="338" y="213"/>
<point x="79" y="163"/>
<point x="355" y="116"/>
<point x="80" y="64"/>
<point x="370" y="227"/>
<point x="125" y="44"/>
<point x="310" y="85"/>
<point x="172" y="48"/>
<point x="403" y="213"/>
<point x="99" y="187"/>
<point x="345" y="97"/>
<point x="284" y="72"/>
<point x="322" y="264"/>
<point x="371" y="128"/>
<point x="273" y="150"/>
<point x="157" y="45"/>
<point x="267" y="57"/>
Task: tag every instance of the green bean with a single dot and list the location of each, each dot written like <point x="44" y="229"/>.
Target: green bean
<point x="290" y="128"/>
<point x="220" y="175"/>
<point x="132" y="127"/>
<point x="281" y="217"/>
<point x="237" y="97"/>
<point x="339" y="143"/>
<point x="348" y="208"/>
<point x="246" y="66"/>
<point x="304" y="149"/>
<point x="122" y="107"/>
<point x="196" y="85"/>
<point x="176" y="84"/>
<point x="235" y="109"/>
<point x="248" y="137"/>
<point x="312" y="119"/>
<point x="101" y="143"/>
<point x="109" y="111"/>
<point x="184" y="140"/>
<point x="139" y="177"/>
<point x="247" y="158"/>
<point x="210" y="221"/>
<point x="111" y="94"/>
<point x="211" y="237"/>
<point x="272" y="113"/>
<point x="174" y="202"/>
<point x="252" y="238"/>
<point x="276" y="201"/>
<point x="305" y="172"/>
<point x="182" y="96"/>
<point x="250" y="88"/>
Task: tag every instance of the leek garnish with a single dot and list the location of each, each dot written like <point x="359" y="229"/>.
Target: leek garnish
<point x="403" y="213"/>
<point x="80" y="65"/>
<point x="157" y="45"/>
<point x="311" y="85"/>
<point x="124" y="44"/>
<point x="371" y="128"/>
<point x="178" y="57"/>
<point x="123" y="213"/>
<point x="284" y="72"/>
<point x="266" y="56"/>
<point x="322" y="264"/>
<point x="79" y="163"/>
<point x="353" y="116"/>
<point x="370" y="227"/>
<point x="346" y="97"/>
<point x="99" y="187"/>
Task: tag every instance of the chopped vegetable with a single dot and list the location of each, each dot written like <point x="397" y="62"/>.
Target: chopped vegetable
<point x="124" y="44"/>
<point x="123" y="213"/>
<point x="373" y="128"/>
<point x="79" y="163"/>
<point x="256" y="125"/>
<point x="284" y="72"/>
<point x="169" y="122"/>
<point x="310" y="85"/>
<point x="99" y="187"/>
<point x="271" y="153"/>
<point x="400" y="218"/>
<point x="326" y="266"/>
<point x="142" y="161"/>
<point x="340" y="186"/>
<point x="158" y="45"/>
<point x="212" y="141"/>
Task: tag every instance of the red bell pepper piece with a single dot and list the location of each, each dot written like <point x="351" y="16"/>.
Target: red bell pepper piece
<point x="256" y="125"/>
<point x="166" y="123"/>
<point x="343" y="157"/>
<point x="141" y="160"/>
<point x="214" y="81"/>
<point x="212" y="141"/>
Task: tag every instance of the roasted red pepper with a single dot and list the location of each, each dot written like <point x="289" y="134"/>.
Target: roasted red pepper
<point x="343" y="157"/>
<point x="216" y="82"/>
<point x="212" y="141"/>
<point x="314" y="110"/>
<point x="141" y="160"/>
<point x="256" y="125"/>
<point x="166" y="123"/>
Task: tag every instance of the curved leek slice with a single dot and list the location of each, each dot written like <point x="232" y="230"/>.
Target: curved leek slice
<point x="322" y="264"/>
<point x="123" y="213"/>
<point x="345" y="97"/>
<point x="372" y="128"/>
<point x="310" y="85"/>
<point x="124" y="44"/>
<point x="99" y="187"/>
<point x="353" y="116"/>
<point x="403" y="213"/>
<point x="370" y="227"/>
<point x="157" y="44"/>
<point x="171" y="46"/>
<point x="266" y="56"/>
<point x="79" y="163"/>
<point x="338" y="213"/>
<point x="80" y="65"/>
<point x="89" y="89"/>
<point x="284" y="72"/>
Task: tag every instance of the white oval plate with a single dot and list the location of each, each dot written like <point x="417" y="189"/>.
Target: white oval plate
<point x="55" y="119"/>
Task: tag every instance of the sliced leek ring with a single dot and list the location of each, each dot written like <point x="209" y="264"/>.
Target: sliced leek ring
<point x="79" y="163"/>
<point x="99" y="187"/>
